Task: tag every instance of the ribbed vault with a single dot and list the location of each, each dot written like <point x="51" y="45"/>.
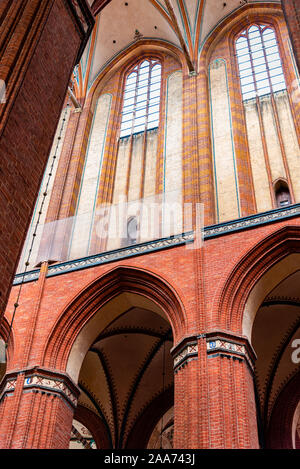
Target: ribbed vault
<point x="126" y="369"/>
<point x="186" y="24"/>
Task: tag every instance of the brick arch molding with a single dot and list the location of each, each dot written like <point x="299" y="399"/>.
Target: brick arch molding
<point x="126" y="57"/>
<point x="280" y="435"/>
<point x="235" y="22"/>
<point x="249" y="271"/>
<point x="88" y="302"/>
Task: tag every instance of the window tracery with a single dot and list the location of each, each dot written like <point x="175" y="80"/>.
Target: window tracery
<point x="141" y="98"/>
<point x="259" y="62"/>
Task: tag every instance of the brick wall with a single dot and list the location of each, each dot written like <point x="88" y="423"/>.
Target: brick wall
<point x="40" y="49"/>
<point x="291" y="10"/>
<point x="214" y="396"/>
<point x="218" y="392"/>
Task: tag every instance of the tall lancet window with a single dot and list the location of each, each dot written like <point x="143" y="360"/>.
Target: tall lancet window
<point x="259" y="62"/>
<point x="141" y="98"/>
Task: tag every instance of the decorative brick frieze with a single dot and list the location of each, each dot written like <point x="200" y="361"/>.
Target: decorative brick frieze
<point x="217" y="344"/>
<point x="145" y="248"/>
<point x="46" y="381"/>
<point x="109" y="256"/>
<point x="252" y="221"/>
<point x="184" y="352"/>
<point x="225" y="345"/>
<point x="8" y="387"/>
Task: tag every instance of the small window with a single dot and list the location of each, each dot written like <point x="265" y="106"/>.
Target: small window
<point x="282" y="194"/>
<point x="131" y="232"/>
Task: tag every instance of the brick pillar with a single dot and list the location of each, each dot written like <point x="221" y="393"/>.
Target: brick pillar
<point x="214" y="401"/>
<point x="206" y="179"/>
<point x="40" y="43"/>
<point x="231" y="398"/>
<point x="37" y="408"/>
<point x="291" y="9"/>
<point x="186" y="403"/>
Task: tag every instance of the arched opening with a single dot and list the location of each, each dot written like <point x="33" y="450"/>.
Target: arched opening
<point x="259" y="62"/>
<point x="114" y="338"/>
<point x="126" y="376"/>
<point x="141" y="100"/>
<point x="81" y="437"/>
<point x="275" y="335"/>
<point x="261" y="302"/>
<point x="162" y="435"/>
<point x="282" y="194"/>
<point x="132" y="231"/>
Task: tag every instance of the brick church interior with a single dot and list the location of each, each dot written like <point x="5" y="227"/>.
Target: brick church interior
<point x="149" y="224"/>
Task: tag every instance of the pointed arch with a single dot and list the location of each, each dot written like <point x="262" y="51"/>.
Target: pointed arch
<point x="141" y="431"/>
<point x="95" y="425"/>
<point x="259" y="270"/>
<point x="125" y="58"/>
<point x="235" y="22"/>
<point x="281" y="434"/>
<point x="88" y="303"/>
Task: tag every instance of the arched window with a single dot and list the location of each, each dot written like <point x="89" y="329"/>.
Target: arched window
<point x="141" y="98"/>
<point x="132" y="228"/>
<point x="260" y="67"/>
<point x="282" y="194"/>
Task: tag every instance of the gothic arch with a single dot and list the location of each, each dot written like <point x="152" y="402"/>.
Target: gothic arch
<point x="235" y="22"/>
<point x="141" y="432"/>
<point x="94" y="424"/>
<point x="281" y="433"/>
<point x="259" y="270"/>
<point x="123" y="61"/>
<point x="88" y="303"/>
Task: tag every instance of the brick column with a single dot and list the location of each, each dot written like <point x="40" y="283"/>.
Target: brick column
<point x="231" y="398"/>
<point x="186" y="403"/>
<point x="220" y="414"/>
<point x="36" y="408"/>
<point x="291" y="9"/>
<point x="206" y="179"/>
<point x="40" y="43"/>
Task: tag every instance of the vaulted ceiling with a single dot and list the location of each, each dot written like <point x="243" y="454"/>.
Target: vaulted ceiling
<point x="185" y="24"/>
<point x="127" y="368"/>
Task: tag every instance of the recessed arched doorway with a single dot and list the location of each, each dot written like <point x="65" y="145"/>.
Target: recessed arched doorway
<point x="261" y="303"/>
<point x="113" y="340"/>
<point x="275" y="338"/>
<point x="126" y="377"/>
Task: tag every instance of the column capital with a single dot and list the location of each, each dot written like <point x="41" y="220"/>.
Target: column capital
<point x="226" y="344"/>
<point x="185" y="351"/>
<point x="218" y="343"/>
<point x="39" y="379"/>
